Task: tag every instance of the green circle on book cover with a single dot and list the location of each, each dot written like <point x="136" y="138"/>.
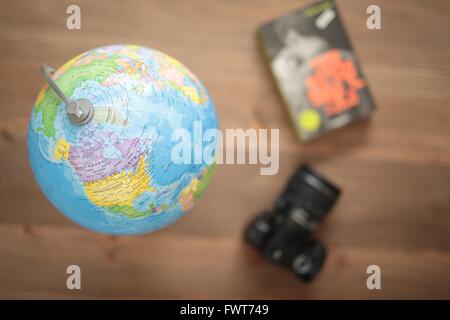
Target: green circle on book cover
<point x="309" y="120"/>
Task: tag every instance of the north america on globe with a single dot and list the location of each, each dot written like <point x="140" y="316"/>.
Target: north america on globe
<point x="115" y="174"/>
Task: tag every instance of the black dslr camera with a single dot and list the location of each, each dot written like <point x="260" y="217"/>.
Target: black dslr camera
<point x="283" y="234"/>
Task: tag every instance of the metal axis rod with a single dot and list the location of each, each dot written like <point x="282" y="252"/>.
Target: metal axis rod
<point x="80" y="111"/>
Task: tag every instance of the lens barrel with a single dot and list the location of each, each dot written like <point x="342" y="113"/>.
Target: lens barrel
<point x="309" y="190"/>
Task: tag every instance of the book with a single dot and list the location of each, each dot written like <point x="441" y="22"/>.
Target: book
<point x="316" y="69"/>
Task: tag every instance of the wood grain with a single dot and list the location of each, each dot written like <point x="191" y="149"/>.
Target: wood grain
<point x="394" y="169"/>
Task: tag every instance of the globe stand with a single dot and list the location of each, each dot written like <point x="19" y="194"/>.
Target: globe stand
<point x="80" y="111"/>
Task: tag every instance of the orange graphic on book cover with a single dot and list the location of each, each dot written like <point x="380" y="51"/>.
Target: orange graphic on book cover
<point x="334" y="83"/>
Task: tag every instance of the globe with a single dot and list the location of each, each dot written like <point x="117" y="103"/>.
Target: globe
<point x="116" y="173"/>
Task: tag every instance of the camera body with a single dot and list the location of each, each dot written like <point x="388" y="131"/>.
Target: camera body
<point x="283" y="233"/>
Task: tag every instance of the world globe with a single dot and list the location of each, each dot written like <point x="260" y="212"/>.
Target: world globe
<point x="115" y="174"/>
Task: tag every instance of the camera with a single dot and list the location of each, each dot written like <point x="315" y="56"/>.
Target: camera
<point x="283" y="233"/>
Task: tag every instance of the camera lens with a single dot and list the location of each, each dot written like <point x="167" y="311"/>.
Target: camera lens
<point x="309" y="190"/>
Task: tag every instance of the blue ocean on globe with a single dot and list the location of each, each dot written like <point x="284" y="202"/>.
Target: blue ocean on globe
<point x="115" y="174"/>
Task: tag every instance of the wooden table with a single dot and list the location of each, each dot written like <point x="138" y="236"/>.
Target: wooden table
<point x="394" y="169"/>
